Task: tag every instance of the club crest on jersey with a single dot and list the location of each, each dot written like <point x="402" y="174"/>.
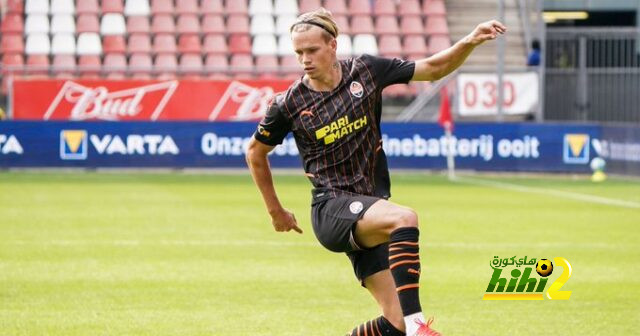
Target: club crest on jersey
<point x="356" y="89"/>
<point x="356" y="207"/>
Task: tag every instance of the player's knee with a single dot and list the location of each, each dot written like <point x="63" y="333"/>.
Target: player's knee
<point x="407" y="218"/>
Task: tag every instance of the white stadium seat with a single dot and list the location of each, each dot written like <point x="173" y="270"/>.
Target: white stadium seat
<point x="36" y="7"/>
<point x="113" y="24"/>
<point x="63" y="7"/>
<point x="36" y="24"/>
<point x="137" y="7"/>
<point x="264" y="45"/>
<point x="262" y="24"/>
<point x="285" y="47"/>
<point x="285" y="7"/>
<point x="37" y="44"/>
<point x="257" y="7"/>
<point x="89" y="44"/>
<point x="63" y="44"/>
<point x="283" y="23"/>
<point x="63" y="23"/>
<point x="344" y="46"/>
<point x="365" y="44"/>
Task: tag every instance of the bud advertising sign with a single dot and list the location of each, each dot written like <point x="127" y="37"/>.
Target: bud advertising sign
<point x="172" y="100"/>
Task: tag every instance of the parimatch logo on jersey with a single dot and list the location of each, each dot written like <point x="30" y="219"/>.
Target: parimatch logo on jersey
<point x="339" y="128"/>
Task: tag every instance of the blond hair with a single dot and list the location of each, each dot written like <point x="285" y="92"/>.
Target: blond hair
<point x="320" y="18"/>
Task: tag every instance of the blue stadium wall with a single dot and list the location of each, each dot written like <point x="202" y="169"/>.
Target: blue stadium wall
<point x="518" y="147"/>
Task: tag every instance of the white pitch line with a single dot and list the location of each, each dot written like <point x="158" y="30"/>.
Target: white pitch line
<point x="553" y="192"/>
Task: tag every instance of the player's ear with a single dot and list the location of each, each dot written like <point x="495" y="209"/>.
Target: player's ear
<point x="334" y="44"/>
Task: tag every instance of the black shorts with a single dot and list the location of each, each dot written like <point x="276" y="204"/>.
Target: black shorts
<point x="334" y="221"/>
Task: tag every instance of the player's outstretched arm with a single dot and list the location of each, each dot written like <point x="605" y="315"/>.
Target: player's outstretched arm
<point x="282" y="219"/>
<point x="446" y="61"/>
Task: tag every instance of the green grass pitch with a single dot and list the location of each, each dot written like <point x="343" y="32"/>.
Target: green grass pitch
<point x="195" y="254"/>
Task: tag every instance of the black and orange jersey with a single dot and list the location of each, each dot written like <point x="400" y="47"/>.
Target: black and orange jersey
<point x="338" y="132"/>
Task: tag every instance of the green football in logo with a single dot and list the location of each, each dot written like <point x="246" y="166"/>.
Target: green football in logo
<point x="544" y="267"/>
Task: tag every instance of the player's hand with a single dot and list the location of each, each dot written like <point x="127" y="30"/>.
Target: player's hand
<point x="285" y="221"/>
<point x="486" y="31"/>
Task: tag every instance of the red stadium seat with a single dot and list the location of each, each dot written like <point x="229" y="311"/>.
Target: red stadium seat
<point x="113" y="44"/>
<point x="267" y="66"/>
<point x="361" y="24"/>
<point x="12" y="43"/>
<point x="189" y="44"/>
<point x="238" y="24"/>
<point x="409" y="7"/>
<point x="140" y="66"/>
<point x="389" y="45"/>
<point x="162" y="7"/>
<point x="187" y="6"/>
<point x="213" y="23"/>
<point x="336" y="7"/>
<point x="15" y="6"/>
<point x="384" y="7"/>
<point x="111" y="6"/>
<point x="38" y="65"/>
<point x="215" y="44"/>
<point x="212" y="7"/>
<point x="437" y="25"/>
<point x="89" y="66"/>
<point x="236" y="7"/>
<point x="216" y="64"/>
<point x="139" y="43"/>
<point x="11" y="63"/>
<point x="138" y="25"/>
<point x="64" y="66"/>
<point x="290" y="65"/>
<point x="87" y="7"/>
<point x="163" y="24"/>
<point x="343" y="24"/>
<point x="360" y="7"/>
<point x="414" y="44"/>
<point x="166" y="65"/>
<point x="115" y="66"/>
<point x="164" y="44"/>
<point x="240" y="44"/>
<point x="191" y="66"/>
<point x="242" y="65"/>
<point x="12" y="23"/>
<point x="438" y="43"/>
<point x="309" y="5"/>
<point x="434" y="7"/>
<point x="188" y="24"/>
<point x="12" y="60"/>
<point x="387" y="24"/>
<point x="87" y="23"/>
<point x="410" y="25"/>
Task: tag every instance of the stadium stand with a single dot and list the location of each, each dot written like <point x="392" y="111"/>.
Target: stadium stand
<point x="203" y="38"/>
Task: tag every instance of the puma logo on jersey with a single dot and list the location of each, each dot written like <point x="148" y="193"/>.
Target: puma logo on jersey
<point x="339" y="128"/>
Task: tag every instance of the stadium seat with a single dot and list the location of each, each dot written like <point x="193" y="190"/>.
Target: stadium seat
<point x="87" y="7"/>
<point x="267" y="63"/>
<point x="240" y="44"/>
<point x="63" y="7"/>
<point x="289" y="65"/>
<point x="360" y="7"/>
<point x="112" y="6"/>
<point x="236" y="7"/>
<point x="139" y="43"/>
<point x="213" y="23"/>
<point x="63" y="66"/>
<point x="187" y="7"/>
<point x="365" y="44"/>
<point x="138" y="24"/>
<point x="164" y="44"/>
<point x="414" y="44"/>
<point x="387" y="24"/>
<point x="191" y="65"/>
<point x="114" y="44"/>
<point x="162" y="7"/>
<point x="257" y="7"/>
<point x="36" y="24"/>
<point x="137" y="7"/>
<point x="216" y="63"/>
<point x="89" y="44"/>
<point x="15" y="6"/>
<point x="87" y="23"/>
<point x="188" y="24"/>
<point x="163" y="24"/>
<point x="285" y="46"/>
<point x="140" y="66"/>
<point x="336" y="7"/>
<point x="285" y="7"/>
<point x="37" y="44"/>
<point x="189" y="44"/>
<point x="166" y="65"/>
<point x="115" y="66"/>
<point x="242" y="65"/>
<point x="36" y="7"/>
<point x="345" y="48"/>
<point x="283" y="23"/>
<point x="215" y="44"/>
<point x="343" y="24"/>
<point x="12" y="23"/>
<point x="437" y="25"/>
<point x="11" y="43"/>
<point x="309" y="5"/>
<point x="113" y="24"/>
<point x="433" y="7"/>
<point x="389" y="45"/>
<point x="63" y="44"/>
<point x="262" y="24"/>
<point x="63" y="23"/>
<point x="411" y="25"/>
<point x="10" y="63"/>
<point x="409" y="7"/>
<point x="361" y="24"/>
<point x="264" y="45"/>
<point x="238" y="24"/>
<point x="212" y="7"/>
<point x="438" y="43"/>
<point x="89" y="66"/>
<point x="384" y="7"/>
<point x="37" y="65"/>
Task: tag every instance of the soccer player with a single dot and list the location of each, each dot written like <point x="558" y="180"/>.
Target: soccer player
<point x="334" y="112"/>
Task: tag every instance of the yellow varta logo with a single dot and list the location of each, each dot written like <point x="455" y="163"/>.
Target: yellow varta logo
<point x="73" y="144"/>
<point x="576" y="148"/>
<point x="339" y="128"/>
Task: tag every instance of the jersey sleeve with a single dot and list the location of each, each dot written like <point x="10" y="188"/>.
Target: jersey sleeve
<point x="274" y="127"/>
<point x="391" y="70"/>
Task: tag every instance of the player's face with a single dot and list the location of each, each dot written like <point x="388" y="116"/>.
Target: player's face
<point x="314" y="52"/>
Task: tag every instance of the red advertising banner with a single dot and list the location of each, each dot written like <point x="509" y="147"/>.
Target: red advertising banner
<point x="143" y="100"/>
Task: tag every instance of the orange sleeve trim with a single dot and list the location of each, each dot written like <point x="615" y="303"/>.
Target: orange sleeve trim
<point x="403" y="263"/>
<point x="403" y="255"/>
<point x="403" y="243"/>
<point x="401" y="288"/>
